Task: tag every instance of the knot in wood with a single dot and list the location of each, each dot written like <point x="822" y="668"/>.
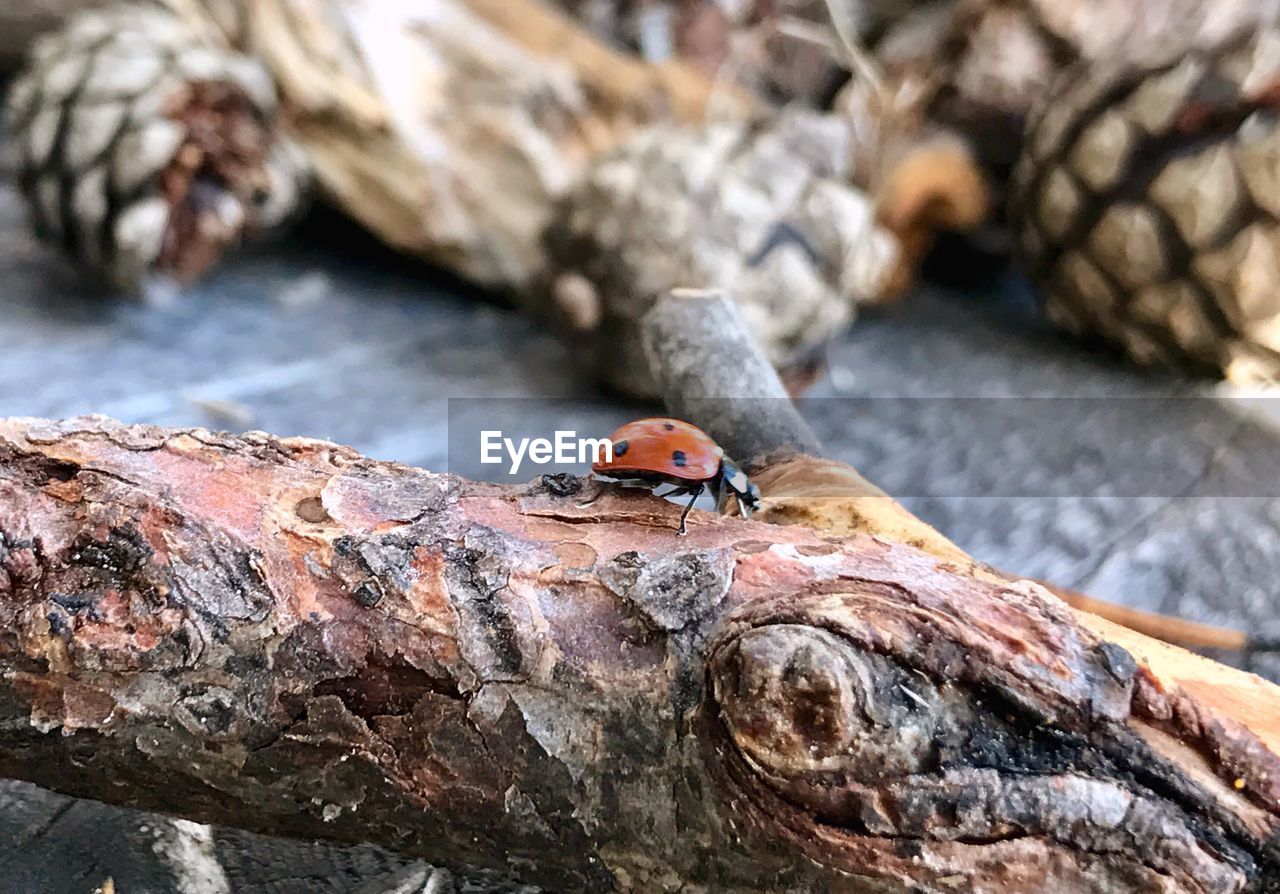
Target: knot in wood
<point x="797" y="700"/>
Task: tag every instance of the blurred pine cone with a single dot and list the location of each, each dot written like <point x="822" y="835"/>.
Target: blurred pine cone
<point x="762" y="210"/>
<point x="1147" y="205"/>
<point x="993" y="62"/>
<point x="145" y="147"/>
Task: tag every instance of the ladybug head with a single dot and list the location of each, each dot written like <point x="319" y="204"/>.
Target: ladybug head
<point x="736" y="482"/>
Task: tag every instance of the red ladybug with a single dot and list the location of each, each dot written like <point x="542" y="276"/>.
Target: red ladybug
<point x="667" y="451"/>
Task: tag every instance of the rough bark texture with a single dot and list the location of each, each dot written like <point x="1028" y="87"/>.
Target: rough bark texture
<point x="286" y="636"/>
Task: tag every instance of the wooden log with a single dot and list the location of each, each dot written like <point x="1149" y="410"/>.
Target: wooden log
<point x="830" y="496"/>
<point x="285" y="636"/>
<point x="450" y="128"/>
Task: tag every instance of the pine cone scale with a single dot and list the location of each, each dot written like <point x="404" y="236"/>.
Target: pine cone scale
<point x="89" y="207"/>
<point x="145" y="150"/>
<point x="89" y="134"/>
<point x="117" y="76"/>
<point x="1202" y="195"/>
<point x="1159" y="100"/>
<point x="1259" y="158"/>
<point x="22" y="104"/>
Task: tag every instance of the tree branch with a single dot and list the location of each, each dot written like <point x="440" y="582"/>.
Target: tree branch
<point x="710" y="369"/>
<point x="285" y="636"/>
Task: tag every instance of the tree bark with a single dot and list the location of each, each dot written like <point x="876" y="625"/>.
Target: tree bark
<point x="542" y="681"/>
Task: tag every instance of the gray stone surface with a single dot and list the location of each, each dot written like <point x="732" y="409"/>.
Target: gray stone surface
<point x="946" y="400"/>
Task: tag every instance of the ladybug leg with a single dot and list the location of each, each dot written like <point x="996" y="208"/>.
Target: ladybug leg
<point x="697" y="492"/>
<point x="719" y="492"/>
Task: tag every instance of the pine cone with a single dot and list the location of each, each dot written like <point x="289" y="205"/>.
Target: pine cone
<point x="993" y="60"/>
<point x="763" y="212"/>
<point x="144" y="147"/>
<point x="1147" y="205"/>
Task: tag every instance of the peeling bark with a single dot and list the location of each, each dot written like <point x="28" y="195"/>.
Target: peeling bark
<point x="542" y="681"/>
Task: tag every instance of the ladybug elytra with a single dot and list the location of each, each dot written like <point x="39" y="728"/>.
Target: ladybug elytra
<point x="650" y="452"/>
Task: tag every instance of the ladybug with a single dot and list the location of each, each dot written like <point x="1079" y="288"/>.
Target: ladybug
<point x="650" y="452"/>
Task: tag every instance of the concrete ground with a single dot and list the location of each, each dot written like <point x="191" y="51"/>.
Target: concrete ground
<point x="1033" y="453"/>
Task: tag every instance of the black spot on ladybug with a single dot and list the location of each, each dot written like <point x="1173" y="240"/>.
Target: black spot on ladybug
<point x="621" y="448"/>
<point x="679" y="458"/>
<point x="668" y="426"/>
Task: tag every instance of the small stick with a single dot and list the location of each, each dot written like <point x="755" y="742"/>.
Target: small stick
<point x="1178" y="631"/>
<point x="712" y="371"/>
